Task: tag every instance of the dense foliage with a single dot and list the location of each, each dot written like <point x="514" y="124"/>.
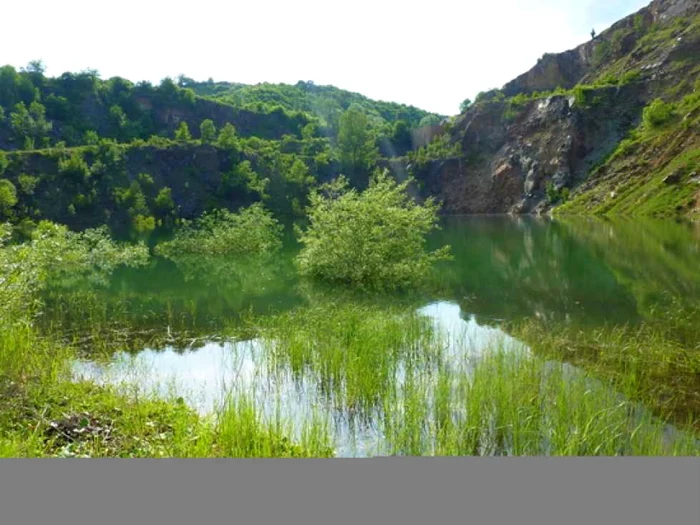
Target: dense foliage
<point x="373" y="239"/>
<point x="57" y="254"/>
<point x="327" y="103"/>
<point x="251" y="231"/>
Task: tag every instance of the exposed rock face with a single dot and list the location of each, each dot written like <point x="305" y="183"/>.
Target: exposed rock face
<point x="508" y="163"/>
<point x="571" y="67"/>
<point x="513" y="154"/>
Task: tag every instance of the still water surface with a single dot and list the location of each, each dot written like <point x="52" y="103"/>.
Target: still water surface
<point x="585" y="272"/>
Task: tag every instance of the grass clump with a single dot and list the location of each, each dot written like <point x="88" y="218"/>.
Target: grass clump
<point x="251" y="231"/>
<point x="657" y="113"/>
<point x="375" y="239"/>
<point x="514" y="404"/>
<point x="656" y="363"/>
<point x="352" y="351"/>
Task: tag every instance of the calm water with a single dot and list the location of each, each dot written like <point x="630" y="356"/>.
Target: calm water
<point x="584" y="272"/>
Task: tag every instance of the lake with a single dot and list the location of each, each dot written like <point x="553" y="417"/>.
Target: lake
<point x="192" y="328"/>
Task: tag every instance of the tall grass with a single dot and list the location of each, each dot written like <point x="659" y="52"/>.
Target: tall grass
<point x="392" y="368"/>
<point x="44" y="412"/>
<point x="521" y="406"/>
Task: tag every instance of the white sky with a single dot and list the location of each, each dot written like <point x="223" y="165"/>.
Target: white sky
<point x="430" y="54"/>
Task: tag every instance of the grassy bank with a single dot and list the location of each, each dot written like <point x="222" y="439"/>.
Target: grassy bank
<point x="44" y="413"/>
<point x="388" y="367"/>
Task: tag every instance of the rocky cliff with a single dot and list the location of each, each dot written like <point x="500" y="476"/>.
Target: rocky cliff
<point x="541" y="139"/>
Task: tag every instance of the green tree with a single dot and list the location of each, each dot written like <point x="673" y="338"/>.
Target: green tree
<point x="91" y="138"/>
<point x="356" y="146"/>
<point x="118" y="119"/>
<point x="429" y="120"/>
<point x="401" y="135"/>
<point x="8" y="197"/>
<point x="227" y="137"/>
<point x="374" y="239"/>
<point x="3" y="162"/>
<point x="27" y="183"/>
<point x="29" y="125"/>
<point x="182" y="134"/>
<point x="309" y="131"/>
<point x="74" y="168"/>
<point x="207" y="131"/>
<point x="164" y="203"/>
<point x="464" y="105"/>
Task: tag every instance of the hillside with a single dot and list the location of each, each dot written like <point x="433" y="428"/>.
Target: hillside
<point x="610" y="127"/>
<point x="324" y="102"/>
<point x="575" y="127"/>
<point x="84" y="151"/>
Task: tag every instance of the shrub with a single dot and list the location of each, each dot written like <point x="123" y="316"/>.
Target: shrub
<point x="207" y="131"/>
<point x="251" y="231"/>
<point x="8" y="197"/>
<point x="3" y="162"/>
<point x="630" y="76"/>
<point x="74" y="167"/>
<point x="182" y="134"/>
<point x="601" y="52"/>
<point x="143" y="224"/>
<point x="53" y="254"/>
<point x="164" y="202"/>
<point x="27" y="183"/>
<point x="374" y="239"/>
<point x="657" y="113"/>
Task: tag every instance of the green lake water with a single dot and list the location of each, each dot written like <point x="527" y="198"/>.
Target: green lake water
<point x="180" y="323"/>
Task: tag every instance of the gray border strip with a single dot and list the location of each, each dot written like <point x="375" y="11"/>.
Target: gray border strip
<point x="499" y="491"/>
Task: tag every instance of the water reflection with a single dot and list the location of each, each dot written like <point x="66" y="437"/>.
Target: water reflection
<point x="205" y="376"/>
<point x="584" y="272"/>
<point x="172" y="321"/>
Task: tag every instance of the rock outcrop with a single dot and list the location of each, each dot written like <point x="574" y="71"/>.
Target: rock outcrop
<point x="517" y="157"/>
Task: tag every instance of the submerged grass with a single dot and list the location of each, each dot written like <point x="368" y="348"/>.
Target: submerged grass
<point x="43" y="412"/>
<point x="353" y="352"/>
<point x="521" y="405"/>
<point x="389" y="367"/>
<point x="392" y="368"/>
<point x="653" y="363"/>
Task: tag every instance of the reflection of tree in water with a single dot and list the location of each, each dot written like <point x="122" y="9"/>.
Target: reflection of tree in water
<point x="507" y="269"/>
<point x="588" y="272"/>
<point x="180" y="303"/>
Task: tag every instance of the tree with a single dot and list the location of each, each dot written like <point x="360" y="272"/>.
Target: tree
<point x="207" y="131"/>
<point x="29" y="125"/>
<point x="91" y="138"/>
<point x="117" y="118"/>
<point x="182" y="134"/>
<point x="164" y="202"/>
<point x="3" y="162"/>
<point x="429" y="120"/>
<point x="227" y="137"/>
<point x="8" y="197"/>
<point x="401" y="136"/>
<point x="464" y="105"/>
<point x="356" y="146"/>
<point x="27" y="183"/>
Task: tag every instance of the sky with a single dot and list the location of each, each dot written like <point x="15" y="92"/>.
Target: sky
<point x="431" y="54"/>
